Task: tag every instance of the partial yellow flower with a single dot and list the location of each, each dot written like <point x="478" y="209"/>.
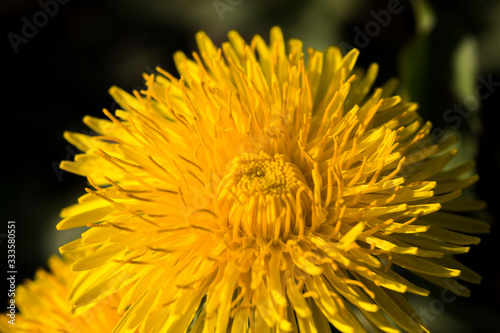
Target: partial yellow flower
<point x="261" y="192"/>
<point x="44" y="305"/>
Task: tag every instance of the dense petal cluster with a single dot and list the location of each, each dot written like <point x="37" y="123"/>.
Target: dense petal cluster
<point x="44" y="305"/>
<point x="260" y="192"/>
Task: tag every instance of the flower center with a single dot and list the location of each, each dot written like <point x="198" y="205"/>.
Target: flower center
<point x="264" y="197"/>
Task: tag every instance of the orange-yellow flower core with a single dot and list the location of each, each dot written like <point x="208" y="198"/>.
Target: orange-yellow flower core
<point x="264" y="197"/>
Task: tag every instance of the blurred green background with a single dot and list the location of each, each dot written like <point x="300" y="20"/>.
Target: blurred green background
<point x="446" y="53"/>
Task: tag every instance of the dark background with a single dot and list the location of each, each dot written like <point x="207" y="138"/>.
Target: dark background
<point x="58" y="72"/>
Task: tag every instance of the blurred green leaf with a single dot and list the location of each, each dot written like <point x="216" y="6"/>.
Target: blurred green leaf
<point x="425" y="18"/>
<point x="465" y="67"/>
<point x="415" y="55"/>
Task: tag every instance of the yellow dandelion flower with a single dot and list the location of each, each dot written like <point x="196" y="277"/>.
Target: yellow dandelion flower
<point x="45" y="306"/>
<point x="261" y="192"/>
